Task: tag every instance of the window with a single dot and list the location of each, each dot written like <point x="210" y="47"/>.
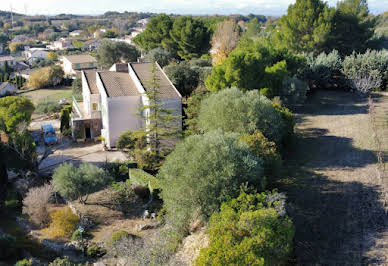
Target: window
<point x="94" y="106"/>
<point x="77" y="65"/>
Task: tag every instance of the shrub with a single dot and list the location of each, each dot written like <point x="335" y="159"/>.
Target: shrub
<point x="95" y="251"/>
<point x="192" y="112"/>
<point x="159" y="55"/>
<point x="35" y="204"/>
<point x="78" y="183"/>
<point x="132" y="140"/>
<point x="119" y="235"/>
<point x="47" y="107"/>
<point x="202" y="172"/>
<point x="234" y="111"/>
<point x="288" y="120"/>
<point x="45" y="77"/>
<point x="366" y="72"/>
<point x="63" y="223"/>
<point x="7" y="246"/>
<point x="148" y="159"/>
<point x="261" y="147"/>
<point x="183" y="77"/>
<point x="293" y="91"/>
<point x="76" y="88"/>
<point x="24" y="262"/>
<point x="63" y="262"/>
<point x="249" y="230"/>
<point x="142" y="178"/>
<point x="76" y="236"/>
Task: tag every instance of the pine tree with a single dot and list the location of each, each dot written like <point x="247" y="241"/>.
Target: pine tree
<point x="161" y="123"/>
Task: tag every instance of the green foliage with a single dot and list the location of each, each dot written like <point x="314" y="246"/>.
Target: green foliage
<point x="249" y="230"/>
<point x="132" y="140"/>
<point x="119" y="235"/>
<point x="95" y="251"/>
<point x="47" y="107"/>
<point x="63" y="223"/>
<point x="192" y="112"/>
<point x="142" y="178"/>
<point x="202" y="172"/>
<point x="76" y="236"/>
<point x="232" y="110"/>
<point x="353" y="28"/>
<point x="75" y="183"/>
<point x="190" y="36"/>
<point x="253" y="29"/>
<point x="24" y="262"/>
<point x="261" y="147"/>
<point x="183" y="77"/>
<point x="14" y="111"/>
<point x="245" y="67"/>
<point x="156" y="34"/>
<point x="366" y="72"/>
<point x="63" y="262"/>
<point x="65" y="118"/>
<point x="160" y="55"/>
<point x="7" y="246"/>
<point x="322" y="69"/>
<point x="76" y="88"/>
<point x="288" y="120"/>
<point x="274" y="77"/>
<point x="293" y="91"/>
<point x="306" y="27"/>
<point x="52" y="56"/>
<point x="112" y="52"/>
<point x="149" y="159"/>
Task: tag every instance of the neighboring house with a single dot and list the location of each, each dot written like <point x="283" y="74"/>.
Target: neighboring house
<point x="7" y="88"/>
<point x="72" y="64"/>
<point x="143" y="22"/>
<point x="99" y="33"/>
<point x="33" y="54"/>
<point x="11" y="61"/>
<point x="111" y="101"/>
<point x="92" y="45"/>
<point x="61" y="44"/>
<point x="75" y="33"/>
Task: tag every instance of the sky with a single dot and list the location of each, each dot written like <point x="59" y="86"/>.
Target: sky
<point x="195" y="7"/>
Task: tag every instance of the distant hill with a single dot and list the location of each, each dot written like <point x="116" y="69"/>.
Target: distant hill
<point x="7" y="14"/>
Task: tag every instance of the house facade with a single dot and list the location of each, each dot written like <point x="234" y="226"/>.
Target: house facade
<point x="33" y="54"/>
<point x="7" y="88"/>
<point x="72" y="64"/>
<point x="112" y="99"/>
<point x="10" y="60"/>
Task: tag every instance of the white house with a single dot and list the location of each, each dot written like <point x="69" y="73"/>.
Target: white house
<point x="99" y="33"/>
<point x="111" y="101"/>
<point x="71" y="64"/>
<point x="33" y="54"/>
<point x="7" y="88"/>
<point x="92" y="45"/>
<point x="75" y="33"/>
<point x="11" y="61"/>
<point x="61" y="44"/>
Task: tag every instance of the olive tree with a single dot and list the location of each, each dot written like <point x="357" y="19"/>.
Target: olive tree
<point x="202" y="172"/>
<point x="235" y="111"/>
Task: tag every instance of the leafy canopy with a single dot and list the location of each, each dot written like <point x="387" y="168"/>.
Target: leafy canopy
<point x="115" y="52"/>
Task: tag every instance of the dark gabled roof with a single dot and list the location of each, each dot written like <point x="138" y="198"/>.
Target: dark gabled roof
<point x="118" y="84"/>
<point x="144" y="73"/>
<point x="92" y="82"/>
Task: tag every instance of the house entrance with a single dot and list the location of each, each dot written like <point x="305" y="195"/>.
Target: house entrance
<point x="87" y="133"/>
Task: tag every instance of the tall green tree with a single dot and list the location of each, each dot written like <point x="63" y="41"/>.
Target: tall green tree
<point x="115" y="52"/>
<point x="190" y="36"/>
<point x="352" y="28"/>
<point x="156" y="34"/>
<point x="306" y="26"/>
<point x="162" y="124"/>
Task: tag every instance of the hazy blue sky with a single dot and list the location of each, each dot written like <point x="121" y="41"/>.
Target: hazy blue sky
<point x="265" y="7"/>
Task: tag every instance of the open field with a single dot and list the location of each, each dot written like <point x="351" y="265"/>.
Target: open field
<point x="333" y="184"/>
<point x="49" y="94"/>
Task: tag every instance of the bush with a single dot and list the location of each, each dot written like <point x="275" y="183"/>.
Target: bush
<point x="202" y="172"/>
<point x="119" y="235"/>
<point x="63" y="223"/>
<point x="148" y="159"/>
<point x="231" y="110"/>
<point x="287" y="139"/>
<point x="366" y="72"/>
<point x="76" y="236"/>
<point x="7" y="246"/>
<point x="47" y="107"/>
<point x="132" y="140"/>
<point x="63" y="262"/>
<point x="24" y="262"/>
<point x="293" y="91"/>
<point x="183" y="77"/>
<point x="249" y="230"/>
<point x="35" y="204"/>
<point x="95" y="251"/>
<point x="76" y="88"/>
<point x="78" y="183"/>
<point x="142" y="178"/>
<point x="45" y="77"/>
<point x="159" y="55"/>
<point x="261" y="147"/>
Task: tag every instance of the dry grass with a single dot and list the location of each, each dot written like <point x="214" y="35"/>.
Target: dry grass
<point x="332" y="183"/>
<point x="48" y="94"/>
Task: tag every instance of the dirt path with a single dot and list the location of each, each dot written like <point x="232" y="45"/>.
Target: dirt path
<point x="333" y="184"/>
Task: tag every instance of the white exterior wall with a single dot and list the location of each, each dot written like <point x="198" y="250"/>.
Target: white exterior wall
<point x="67" y="67"/>
<point x="86" y="95"/>
<point x="123" y="115"/>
